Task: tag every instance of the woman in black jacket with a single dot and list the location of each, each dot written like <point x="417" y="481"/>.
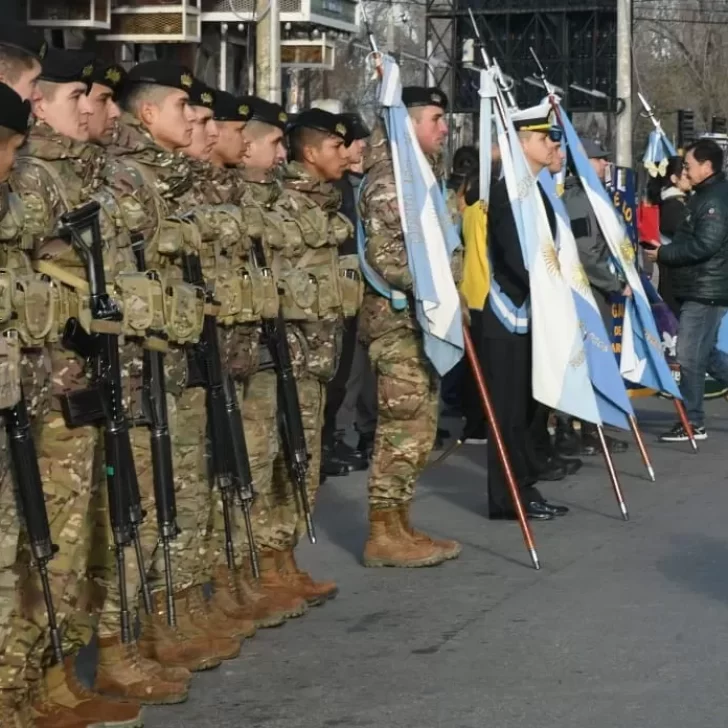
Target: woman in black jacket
<point x="671" y="196"/>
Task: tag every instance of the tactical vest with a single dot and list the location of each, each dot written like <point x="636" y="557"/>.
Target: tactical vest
<point x="314" y="283"/>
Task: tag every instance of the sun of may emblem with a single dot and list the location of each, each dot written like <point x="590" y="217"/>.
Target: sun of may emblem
<point x="627" y="250"/>
<point x="523" y="187"/>
<point x="551" y="258"/>
<point x="579" y="278"/>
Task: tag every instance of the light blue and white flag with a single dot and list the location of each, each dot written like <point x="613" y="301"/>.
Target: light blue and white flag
<point x="429" y="235"/>
<point x="642" y="360"/>
<point x="612" y="399"/>
<point x="658" y="152"/>
<point x="560" y="376"/>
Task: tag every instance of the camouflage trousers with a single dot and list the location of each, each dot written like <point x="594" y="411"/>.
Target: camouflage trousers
<point x="102" y="561"/>
<point x="188" y="430"/>
<point x="407" y="402"/>
<point x="66" y="464"/>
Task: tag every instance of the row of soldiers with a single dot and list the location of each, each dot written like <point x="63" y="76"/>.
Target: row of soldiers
<point x="181" y="171"/>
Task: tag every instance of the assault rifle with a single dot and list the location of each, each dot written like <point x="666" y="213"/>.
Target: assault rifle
<point x="230" y="463"/>
<point x="290" y="422"/>
<point x="102" y="403"/>
<point x="154" y="403"/>
<point x="30" y="490"/>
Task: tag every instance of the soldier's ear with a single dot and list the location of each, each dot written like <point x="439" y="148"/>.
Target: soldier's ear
<point x="39" y="108"/>
<point x="148" y="113"/>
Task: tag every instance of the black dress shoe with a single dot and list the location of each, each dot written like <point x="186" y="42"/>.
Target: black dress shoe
<point x="571" y="465"/>
<point x="356" y="459"/>
<point x="365" y="446"/>
<point x="567" y="443"/>
<point x="331" y="465"/>
<point x="535" y="511"/>
<point x="552" y="470"/>
<point x="556" y="510"/>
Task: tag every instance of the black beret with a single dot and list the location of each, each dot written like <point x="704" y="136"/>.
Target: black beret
<point x="201" y="95"/>
<point x="111" y="75"/>
<point x="161" y="73"/>
<point x="266" y="112"/>
<point x="323" y="121"/>
<point x="14" y="112"/>
<point x="23" y="38"/>
<point x="68" y="66"/>
<point x="358" y="129"/>
<point x="413" y="96"/>
<point x="227" y="108"/>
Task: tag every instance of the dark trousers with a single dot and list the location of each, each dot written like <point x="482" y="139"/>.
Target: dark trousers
<point x="538" y="445"/>
<point x="336" y="388"/>
<point x="507" y="371"/>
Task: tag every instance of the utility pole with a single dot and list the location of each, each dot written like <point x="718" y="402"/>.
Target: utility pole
<point x="268" y="51"/>
<point x="624" y="82"/>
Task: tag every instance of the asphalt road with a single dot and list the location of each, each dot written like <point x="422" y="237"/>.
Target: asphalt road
<point x="625" y="626"/>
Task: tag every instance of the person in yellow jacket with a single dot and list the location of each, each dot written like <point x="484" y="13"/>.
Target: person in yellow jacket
<point x="474" y="288"/>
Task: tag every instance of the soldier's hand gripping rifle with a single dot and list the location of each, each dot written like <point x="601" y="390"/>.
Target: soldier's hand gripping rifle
<point x="230" y="463"/>
<point x="154" y="393"/>
<point x="289" y="408"/>
<point x="30" y="490"/>
<point x="102" y="403"/>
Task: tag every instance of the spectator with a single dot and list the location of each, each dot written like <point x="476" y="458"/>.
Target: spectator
<point x="699" y="250"/>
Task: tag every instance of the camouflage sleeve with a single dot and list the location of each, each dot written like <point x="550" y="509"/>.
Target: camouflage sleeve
<point x="385" y="250"/>
<point x="135" y="199"/>
<point x="40" y="202"/>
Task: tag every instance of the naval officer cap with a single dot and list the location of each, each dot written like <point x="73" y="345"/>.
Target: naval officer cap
<point x="228" y="108"/>
<point x="14" y="112"/>
<point x="24" y="39"/>
<point x="358" y="129"/>
<point x="534" y="118"/>
<point x="266" y="112"/>
<point x="414" y="96"/>
<point x="160" y="73"/>
<point x="201" y="95"/>
<point x="325" y="121"/>
<point x="111" y="75"/>
<point x="68" y="66"/>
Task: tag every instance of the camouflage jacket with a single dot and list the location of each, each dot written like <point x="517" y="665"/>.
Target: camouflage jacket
<point x="315" y="205"/>
<point x="52" y="175"/>
<point x="385" y="246"/>
<point x="21" y="361"/>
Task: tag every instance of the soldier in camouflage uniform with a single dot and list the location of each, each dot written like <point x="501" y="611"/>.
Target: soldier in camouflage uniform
<point x="234" y="592"/>
<point x="407" y="385"/>
<point x="14" y="705"/>
<point x="121" y="671"/>
<point x="58" y="170"/>
<point x="155" y="126"/>
<point x="314" y="301"/>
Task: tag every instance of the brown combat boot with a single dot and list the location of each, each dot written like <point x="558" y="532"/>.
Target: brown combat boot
<point x="390" y="545"/>
<point x="225" y="600"/>
<point x="169" y="647"/>
<point x="241" y="628"/>
<point x="120" y="675"/>
<point x="235" y="596"/>
<point x="63" y="699"/>
<point x="308" y="588"/>
<point x="450" y="548"/>
<point x="273" y="582"/>
<point x="270" y="609"/>
<point x="15" y="710"/>
<point x="194" y="620"/>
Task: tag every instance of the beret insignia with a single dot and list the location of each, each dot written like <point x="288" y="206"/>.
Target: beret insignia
<point x="113" y="75"/>
<point x="283" y="117"/>
<point x="87" y="70"/>
<point x="186" y="80"/>
<point x="243" y="110"/>
<point x="341" y="129"/>
<point x="206" y="98"/>
<point x="43" y="50"/>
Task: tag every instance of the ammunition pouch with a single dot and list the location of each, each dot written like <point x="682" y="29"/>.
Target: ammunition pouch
<point x="9" y="371"/>
<point x="298" y="295"/>
<point x="351" y="285"/>
<point x="142" y="302"/>
<point x="26" y="305"/>
<point x="184" y="311"/>
<point x="232" y="291"/>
